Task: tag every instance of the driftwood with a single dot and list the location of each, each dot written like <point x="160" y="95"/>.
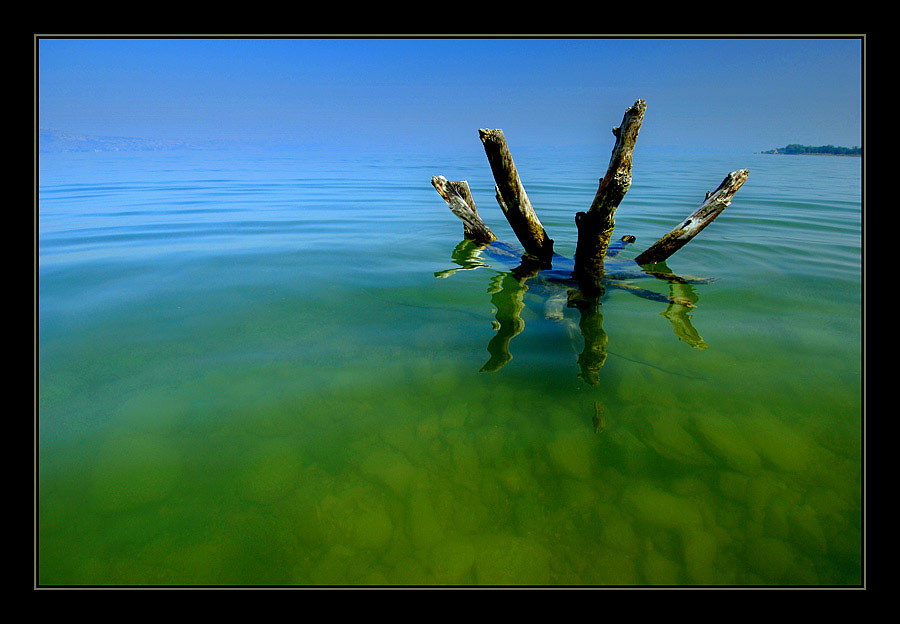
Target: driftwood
<point x="512" y="197"/>
<point x="595" y="227"/>
<point x="459" y="198"/>
<point x="711" y="208"/>
<point x="590" y="272"/>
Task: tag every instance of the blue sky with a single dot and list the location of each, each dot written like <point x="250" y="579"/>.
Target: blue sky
<point x="708" y="94"/>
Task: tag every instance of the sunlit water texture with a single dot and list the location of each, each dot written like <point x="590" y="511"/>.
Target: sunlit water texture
<point x="257" y="368"/>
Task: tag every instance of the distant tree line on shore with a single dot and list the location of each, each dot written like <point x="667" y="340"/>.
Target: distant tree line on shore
<point x="795" y="148"/>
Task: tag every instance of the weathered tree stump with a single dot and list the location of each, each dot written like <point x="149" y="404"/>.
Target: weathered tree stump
<point x="581" y="283"/>
<point x="595" y="227"/>
<point x="459" y="198"/>
<point x="512" y="197"/>
<point x="711" y="208"/>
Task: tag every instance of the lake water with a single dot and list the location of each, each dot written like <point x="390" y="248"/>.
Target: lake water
<point x="249" y="373"/>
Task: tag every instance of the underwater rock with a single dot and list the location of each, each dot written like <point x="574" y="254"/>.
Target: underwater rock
<point x="700" y="550"/>
<point x="580" y="496"/>
<point x="658" y="570"/>
<point x="256" y="548"/>
<point x="134" y="470"/>
<point x="509" y="560"/>
<point x="338" y="566"/>
<point x="829" y="503"/>
<point x="632" y="454"/>
<point x="775" y="522"/>
<point x="733" y="485"/>
<point x="490" y="444"/>
<point x="373" y="527"/>
<point x="690" y="486"/>
<point x="429" y="427"/>
<point x="465" y="458"/>
<point x="357" y="517"/>
<point x="409" y="571"/>
<point x="613" y="567"/>
<point x="302" y="507"/>
<point x="400" y="436"/>
<point x="846" y="546"/>
<point x="390" y="468"/>
<point x="657" y="508"/>
<point x="770" y="558"/>
<point x="572" y="452"/>
<point x="375" y="577"/>
<point x="494" y="496"/>
<point x="617" y="533"/>
<point x="806" y="530"/>
<point x="731" y="516"/>
<point x="469" y="514"/>
<point x="426" y="526"/>
<point x="454" y="417"/>
<point x="727" y="442"/>
<point x="697" y="491"/>
<point x="511" y="479"/>
<point x="194" y="563"/>
<point x="453" y="562"/>
<point x="781" y="445"/>
<point x="762" y="488"/>
<point x="671" y="440"/>
<point x="273" y="470"/>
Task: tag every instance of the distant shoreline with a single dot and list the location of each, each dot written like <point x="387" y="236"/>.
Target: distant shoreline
<point x="821" y="150"/>
<point x="810" y="154"/>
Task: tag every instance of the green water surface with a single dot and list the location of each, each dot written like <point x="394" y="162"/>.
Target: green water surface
<point x="249" y="374"/>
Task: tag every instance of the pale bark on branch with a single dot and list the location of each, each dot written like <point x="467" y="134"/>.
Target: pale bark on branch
<point x="512" y="197"/>
<point x="712" y="207"/>
<point x="459" y="198"/>
<point x="595" y="226"/>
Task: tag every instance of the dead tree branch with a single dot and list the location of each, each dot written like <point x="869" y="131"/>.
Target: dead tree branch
<point x="512" y="197"/>
<point x="595" y="226"/>
<point x="459" y="198"/>
<point x="711" y="208"/>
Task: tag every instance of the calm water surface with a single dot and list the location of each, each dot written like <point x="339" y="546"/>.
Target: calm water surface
<point x="258" y="367"/>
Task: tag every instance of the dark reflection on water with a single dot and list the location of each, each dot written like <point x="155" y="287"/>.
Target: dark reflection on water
<point x="507" y="295"/>
<point x="556" y="289"/>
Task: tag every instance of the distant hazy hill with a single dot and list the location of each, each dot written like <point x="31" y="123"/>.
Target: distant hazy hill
<point x="794" y="148"/>
<point x="53" y="141"/>
<point x="50" y="141"/>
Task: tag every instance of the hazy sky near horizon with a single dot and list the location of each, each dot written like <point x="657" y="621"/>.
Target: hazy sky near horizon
<point x="707" y="94"/>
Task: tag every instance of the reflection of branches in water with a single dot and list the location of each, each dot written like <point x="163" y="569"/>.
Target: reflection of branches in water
<point x="508" y="297"/>
<point x="678" y="312"/>
<point x="467" y="255"/>
<point x="681" y="301"/>
<point x="593" y="357"/>
<point x="507" y="292"/>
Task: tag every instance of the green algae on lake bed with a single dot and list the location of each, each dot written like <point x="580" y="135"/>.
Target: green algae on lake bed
<point x="251" y="403"/>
